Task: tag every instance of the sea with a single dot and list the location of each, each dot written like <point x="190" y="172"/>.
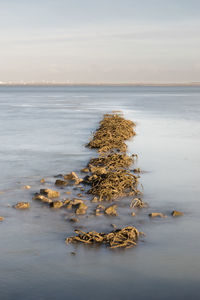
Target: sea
<point x="44" y="131"/>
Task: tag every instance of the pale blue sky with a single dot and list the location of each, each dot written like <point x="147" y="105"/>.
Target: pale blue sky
<point x="100" y="41"/>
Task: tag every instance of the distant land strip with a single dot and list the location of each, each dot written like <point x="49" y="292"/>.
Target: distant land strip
<point x="98" y="84"/>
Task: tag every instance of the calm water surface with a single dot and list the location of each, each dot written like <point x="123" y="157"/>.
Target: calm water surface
<point x="43" y="133"/>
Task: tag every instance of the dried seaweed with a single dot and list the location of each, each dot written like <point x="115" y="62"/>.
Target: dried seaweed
<point x="119" y="238"/>
<point x="112" y="133"/>
<point x="112" y="185"/>
<point x="111" y="161"/>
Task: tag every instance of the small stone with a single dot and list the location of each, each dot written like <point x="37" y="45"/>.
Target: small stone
<point x="68" y="192"/>
<point x="155" y="214"/>
<point x="22" y="205"/>
<point x="60" y="182"/>
<point x="133" y="214"/>
<point x="99" y="210"/>
<point x="42" y="198"/>
<point x="1" y="219"/>
<point x="177" y="213"/>
<point x="27" y="187"/>
<point x="82" y="209"/>
<point x="137" y="170"/>
<point x="75" y="201"/>
<point x="50" y="193"/>
<point x="68" y="206"/>
<point x="94" y="200"/>
<point x="66" y="201"/>
<point x="57" y="204"/>
<point x="111" y="210"/>
<point x="80" y="195"/>
<point x="74" y="220"/>
<point x="82" y="189"/>
<point x="85" y="170"/>
<point x="42" y="180"/>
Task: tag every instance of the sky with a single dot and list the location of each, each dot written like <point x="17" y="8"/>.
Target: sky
<point x="106" y="41"/>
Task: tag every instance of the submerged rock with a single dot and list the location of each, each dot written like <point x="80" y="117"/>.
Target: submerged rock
<point x="157" y="214"/>
<point x="27" y="187"/>
<point x="177" y="213"/>
<point x="22" y="205"/>
<point x="74" y="220"/>
<point x="50" y="193"/>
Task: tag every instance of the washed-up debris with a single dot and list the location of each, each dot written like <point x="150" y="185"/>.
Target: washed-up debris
<point x="137" y="202"/>
<point x="42" y="198"/>
<point x="111" y="210"/>
<point x="1" y="219"/>
<point x="157" y="214"/>
<point x="112" y="133"/>
<point x="50" y="193"/>
<point x="27" y="187"/>
<point x="177" y="213"/>
<point x="22" y="205"/>
<point x="118" y="238"/>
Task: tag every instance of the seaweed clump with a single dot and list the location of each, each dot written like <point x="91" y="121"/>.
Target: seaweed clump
<point x="112" y="184"/>
<point x="112" y="161"/>
<point x="112" y="133"/>
<point x="119" y="238"/>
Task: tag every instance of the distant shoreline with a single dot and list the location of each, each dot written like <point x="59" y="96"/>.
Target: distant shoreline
<point x="192" y="84"/>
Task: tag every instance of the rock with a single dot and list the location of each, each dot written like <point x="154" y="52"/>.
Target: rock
<point x="133" y="214"/>
<point x="155" y="214"/>
<point x="69" y="206"/>
<point x="42" y="198"/>
<point x="80" y="195"/>
<point x="85" y="170"/>
<point x="1" y="219"/>
<point x="177" y="213"/>
<point x="66" y="201"/>
<point x="111" y="210"/>
<point x="57" y="204"/>
<point x="73" y="177"/>
<point x="74" y="220"/>
<point x="42" y="180"/>
<point x="137" y="170"/>
<point x="82" y="209"/>
<point x="60" y="182"/>
<point x="27" y="187"/>
<point x="94" y="200"/>
<point x="82" y="189"/>
<point x="68" y="192"/>
<point x="75" y="201"/>
<point x="99" y="210"/>
<point x="22" y="205"/>
<point x="50" y="193"/>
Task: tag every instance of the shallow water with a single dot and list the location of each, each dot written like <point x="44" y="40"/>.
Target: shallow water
<point x="43" y="133"/>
